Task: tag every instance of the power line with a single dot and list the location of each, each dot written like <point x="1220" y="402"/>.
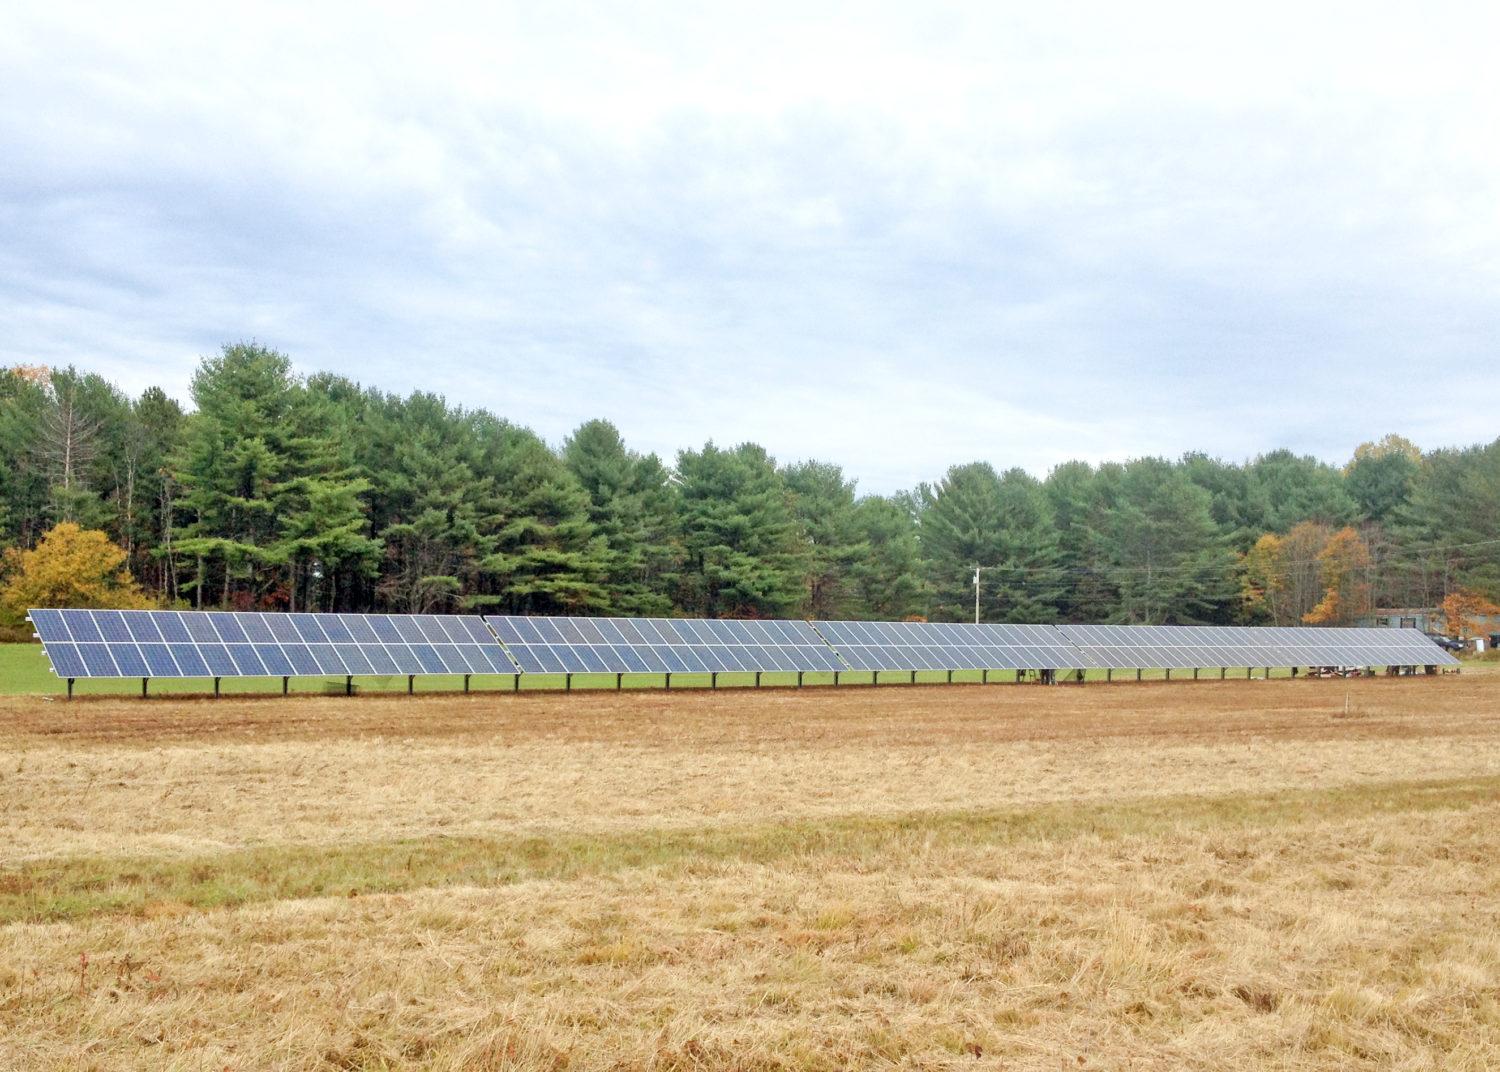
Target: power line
<point x="1206" y="566"/>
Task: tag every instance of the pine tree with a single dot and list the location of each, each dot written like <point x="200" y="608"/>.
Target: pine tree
<point x="1380" y="481"/>
<point x="324" y="533"/>
<point x="1170" y="561"/>
<point x="79" y="445"/>
<point x="1005" y="527"/>
<point x="23" y="479"/>
<point x="824" y="505"/>
<point x="886" y="581"/>
<point x="743" y="554"/>
<point x="1283" y="489"/>
<point x="547" y="556"/>
<point x="234" y="455"/>
<point x="1081" y="502"/>
<point x="631" y="505"/>
<point x="429" y="501"/>
<point x="152" y="436"/>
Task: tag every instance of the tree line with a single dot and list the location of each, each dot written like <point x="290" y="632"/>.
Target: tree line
<point x="277" y="491"/>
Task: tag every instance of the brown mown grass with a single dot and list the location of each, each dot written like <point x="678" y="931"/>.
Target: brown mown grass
<point x="1202" y="877"/>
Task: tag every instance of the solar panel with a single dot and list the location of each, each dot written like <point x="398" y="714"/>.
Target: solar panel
<point x="661" y="645"/>
<point x="950" y="646"/>
<point x="169" y="643"/>
<point x="1187" y="646"/>
<point x="126" y="644"/>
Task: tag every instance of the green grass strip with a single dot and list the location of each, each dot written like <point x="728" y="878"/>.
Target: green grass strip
<point x="84" y="886"/>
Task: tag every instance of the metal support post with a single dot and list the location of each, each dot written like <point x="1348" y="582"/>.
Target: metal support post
<point x="950" y="677"/>
<point x="913" y="677"/>
<point x="515" y="683"/>
<point x="70" y="688"/>
<point x="669" y="679"/>
<point x="713" y="679"/>
<point x="216" y="688"/>
<point x="567" y="683"/>
<point x="757" y="678"/>
<point x="619" y="682"/>
<point x="1222" y="671"/>
<point x="835" y="679"/>
<point x="348" y="685"/>
<point x="1169" y="673"/>
<point x="1109" y="674"/>
<point x="799" y="679"/>
<point x="143" y="687"/>
<point x="466" y="683"/>
<point x="1247" y="673"/>
<point x="984" y="677"/>
<point x="1138" y="673"/>
<point x="286" y="685"/>
<point x="1195" y="673"/>
<point x="411" y="684"/>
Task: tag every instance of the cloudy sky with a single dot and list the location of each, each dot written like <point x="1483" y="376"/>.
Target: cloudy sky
<point x="895" y="237"/>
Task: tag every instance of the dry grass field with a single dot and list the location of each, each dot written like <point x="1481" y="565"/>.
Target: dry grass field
<point x="1239" y="875"/>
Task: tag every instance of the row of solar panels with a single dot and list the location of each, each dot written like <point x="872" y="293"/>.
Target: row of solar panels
<point x="166" y="643"/>
<point x="112" y="643"/>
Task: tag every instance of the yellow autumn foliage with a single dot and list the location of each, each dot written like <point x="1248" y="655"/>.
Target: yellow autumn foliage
<point x="1462" y="606"/>
<point x="70" y="567"/>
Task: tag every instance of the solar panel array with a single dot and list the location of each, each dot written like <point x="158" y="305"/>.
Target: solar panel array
<point x="1187" y="646"/>
<point x="946" y="646"/>
<point x="145" y="644"/>
<point x="168" y="643"/>
<point x="661" y="645"/>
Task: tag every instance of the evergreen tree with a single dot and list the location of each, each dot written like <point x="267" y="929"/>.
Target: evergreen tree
<point x="267" y="482"/>
<point x="631" y="505"/>
<point x="1229" y="488"/>
<point x="1283" y="489"/>
<point x="1381" y="484"/>
<point x="234" y="456"/>
<point x="824" y="505"/>
<point x="430" y="505"/>
<point x="23" y="478"/>
<point x="79" y="444"/>
<point x="144" y="497"/>
<point x="885" y="582"/>
<point x="1005" y="527"/>
<point x="547" y="557"/>
<point x="1081" y="502"/>
<point x="742" y="551"/>
<point x="1450" y="521"/>
<point x="1169" y="560"/>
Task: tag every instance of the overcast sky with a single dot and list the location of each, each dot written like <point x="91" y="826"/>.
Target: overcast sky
<point x="897" y="238"/>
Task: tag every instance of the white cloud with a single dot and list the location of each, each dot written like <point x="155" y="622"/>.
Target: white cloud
<point x="893" y="238"/>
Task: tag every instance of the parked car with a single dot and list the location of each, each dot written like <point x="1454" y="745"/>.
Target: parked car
<point x="1448" y="643"/>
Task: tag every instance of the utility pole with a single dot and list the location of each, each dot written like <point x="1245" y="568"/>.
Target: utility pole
<point x="976" y="595"/>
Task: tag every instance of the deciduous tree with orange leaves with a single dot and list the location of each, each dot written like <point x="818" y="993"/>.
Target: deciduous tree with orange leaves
<point x="1344" y="569"/>
<point x="1311" y="575"/>
<point x="1462" y="606"/>
<point x="70" y="567"/>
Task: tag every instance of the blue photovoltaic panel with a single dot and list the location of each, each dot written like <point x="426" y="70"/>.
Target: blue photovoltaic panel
<point x="1188" y="646"/>
<point x="110" y="643"/>
<point x="661" y="645"/>
<point x="107" y="643"/>
<point x="950" y="646"/>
